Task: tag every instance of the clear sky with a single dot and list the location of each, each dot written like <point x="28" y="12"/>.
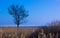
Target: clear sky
<point x="41" y="12"/>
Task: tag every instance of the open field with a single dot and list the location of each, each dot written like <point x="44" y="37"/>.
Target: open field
<point x="25" y="31"/>
<point x="13" y="32"/>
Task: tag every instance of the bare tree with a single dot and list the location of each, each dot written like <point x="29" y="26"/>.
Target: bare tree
<point x="18" y="12"/>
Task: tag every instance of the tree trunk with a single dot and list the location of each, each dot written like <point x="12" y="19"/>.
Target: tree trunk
<point x="18" y="21"/>
<point x="17" y="25"/>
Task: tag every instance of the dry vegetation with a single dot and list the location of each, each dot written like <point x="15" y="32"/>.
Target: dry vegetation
<point x="52" y="31"/>
<point x="13" y="31"/>
<point x="10" y="32"/>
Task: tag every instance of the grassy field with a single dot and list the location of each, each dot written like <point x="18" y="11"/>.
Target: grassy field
<point x="25" y="31"/>
<point x="13" y="32"/>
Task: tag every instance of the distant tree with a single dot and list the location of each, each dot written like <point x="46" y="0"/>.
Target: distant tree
<point x="18" y="12"/>
<point x="55" y="23"/>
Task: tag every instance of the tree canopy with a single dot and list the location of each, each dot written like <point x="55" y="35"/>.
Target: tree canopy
<point x="18" y="12"/>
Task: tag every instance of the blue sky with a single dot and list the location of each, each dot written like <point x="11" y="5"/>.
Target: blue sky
<point x="41" y="12"/>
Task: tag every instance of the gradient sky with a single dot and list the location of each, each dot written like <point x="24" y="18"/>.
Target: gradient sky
<point x="41" y="12"/>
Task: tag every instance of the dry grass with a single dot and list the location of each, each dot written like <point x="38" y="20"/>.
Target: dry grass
<point x="25" y="31"/>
